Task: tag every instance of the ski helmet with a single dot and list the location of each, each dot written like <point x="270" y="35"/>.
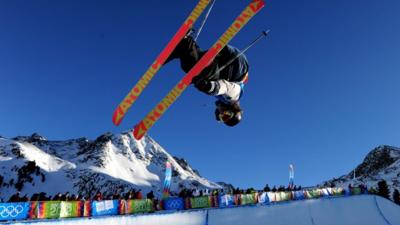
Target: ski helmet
<point x="229" y="114"/>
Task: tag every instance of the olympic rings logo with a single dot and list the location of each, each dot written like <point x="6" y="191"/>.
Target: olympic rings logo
<point x="11" y="211"/>
<point x="174" y="204"/>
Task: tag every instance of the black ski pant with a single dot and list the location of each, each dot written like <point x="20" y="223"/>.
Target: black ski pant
<point x="189" y="53"/>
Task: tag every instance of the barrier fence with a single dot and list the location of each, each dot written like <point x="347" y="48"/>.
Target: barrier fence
<point x="72" y="209"/>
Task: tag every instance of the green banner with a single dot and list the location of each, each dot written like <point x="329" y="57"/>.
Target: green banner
<point x="356" y="191"/>
<point x="49" y="210"/>
<point x="142" y="206"/>
<point x="247" y="199"/>
<point x="200" y="202"/>
<point x="337" y="191"/>
<point x="313" y="193"/>
<point x="70" y="209"/>
<point x="286" y="196"/>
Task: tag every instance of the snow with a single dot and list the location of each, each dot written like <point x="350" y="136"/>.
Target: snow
<point x="107" y="163"/>
<point x="123" y="168"/>
<point x="363" y="209"/>
<point x="45" y="161"/>
<point x="389" y="173"/>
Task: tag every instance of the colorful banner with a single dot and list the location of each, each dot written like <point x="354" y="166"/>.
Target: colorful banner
<point x="142" y="206"/>
<point x="214" y="201"/>
<point x="33" y="211"/>
<point x="123" y="207"/>
<point x="313" y="193"/>
<point x="226" y="201"/>
<point x="286" y="196"/>
<point x="71" y="209"/>
<point x="174" y="204"/>
<point x="337" y="191"/>
<point x="49" y="210"/>
<point x="136" y="206"/>
<point x="167" y="181"/>
<point x="326" y="192"/>
<point x="263" y="198"/>
<point x="247" y="199"/>
<point x="102" y="208"/>
<point x="356" y="191"/>
<point x="14" y="211"/>
<point x="87" y="209"/>
<point x="200" y="202"/>
<point x="299" y="195"/>
<point x="271" y="196"/>
<point x="63" y="209"/>
<point x="277" y="197"/>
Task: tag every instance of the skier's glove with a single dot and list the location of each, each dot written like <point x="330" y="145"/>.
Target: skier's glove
<point x="204" y="86"/>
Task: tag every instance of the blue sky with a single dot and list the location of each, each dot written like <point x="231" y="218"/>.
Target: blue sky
<point x="323" y="88"/>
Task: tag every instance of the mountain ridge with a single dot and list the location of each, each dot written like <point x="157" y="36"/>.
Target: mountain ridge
<point x="111" y="163"/>
<point x="381" y="163"/>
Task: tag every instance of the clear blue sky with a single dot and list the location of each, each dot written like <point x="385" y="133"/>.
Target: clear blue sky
<point x="323" y="89"/>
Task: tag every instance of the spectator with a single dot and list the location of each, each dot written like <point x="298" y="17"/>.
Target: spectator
<point x="182" y="193"/>
<point x="72" y="197"/>
<point x="150" y="195"/>
<point x="266" y="188"/>
<point x="98" y="196"/>
<point x="350" y="187"/>
<point x="64" y="197"/>
<point x="363" y="189"/>
<point x="42" y="196"/>
<point x="15" y="197"/>
<point x="195" y="193"/>
<point x="57" y="197"/>
<point x="139" y="195"/>
<point x="34" y="198"/>
<point x="25" y="198"/>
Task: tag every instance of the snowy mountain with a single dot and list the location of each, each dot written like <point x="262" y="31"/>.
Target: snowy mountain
<point x="113" y="163"/>
<point x="382" y="163"/>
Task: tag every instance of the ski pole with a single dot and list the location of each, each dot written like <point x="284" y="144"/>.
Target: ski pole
<point x="263" y="34"/>
<point x="204" y="20"/>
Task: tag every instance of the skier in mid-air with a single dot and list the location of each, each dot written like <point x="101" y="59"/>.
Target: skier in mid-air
<point x="226" y="84"/>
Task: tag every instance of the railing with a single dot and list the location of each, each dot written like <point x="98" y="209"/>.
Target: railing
<point x="73" y="209"/>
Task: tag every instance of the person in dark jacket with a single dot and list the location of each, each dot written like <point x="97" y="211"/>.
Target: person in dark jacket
<point x="15" y="197"/>
<point x="226" y="84"/>
<point x="150" y="195"/>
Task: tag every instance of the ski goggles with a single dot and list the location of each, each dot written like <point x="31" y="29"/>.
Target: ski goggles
<point x="226" y="115"/>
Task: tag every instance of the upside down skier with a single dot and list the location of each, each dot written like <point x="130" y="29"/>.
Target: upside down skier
<point x="225" y="84"/>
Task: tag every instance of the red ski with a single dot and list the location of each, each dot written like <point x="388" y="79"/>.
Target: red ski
<point x="123" y="107"/>
<point x="253" y="8"/>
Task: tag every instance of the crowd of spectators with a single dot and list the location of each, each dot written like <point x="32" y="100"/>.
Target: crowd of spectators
<point x="137" y="194"/>
<point x="99" y="196"/>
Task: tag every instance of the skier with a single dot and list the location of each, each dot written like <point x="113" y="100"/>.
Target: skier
<point x="226" y="84"/>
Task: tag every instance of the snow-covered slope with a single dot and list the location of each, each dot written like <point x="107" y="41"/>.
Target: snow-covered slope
<point x="363" y="209"/>
<point x="382" y="163"/>
<point x="111" y="164"/>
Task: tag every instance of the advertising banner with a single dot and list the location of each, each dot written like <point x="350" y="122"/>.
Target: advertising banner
<point x="247" y="199"/>
<point x="102" y="208"/>
<point x="200" y="202"/>
<point x="174" y="204"/>
<point x="263" y="198"/>
<point x="226" y="201"/>
<point x="71" y="209"/>
<point x="49" y="210"/>
<point x="14" y="211"/>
